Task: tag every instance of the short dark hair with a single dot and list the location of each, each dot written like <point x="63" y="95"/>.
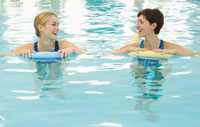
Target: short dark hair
<point x="153" y="16"/>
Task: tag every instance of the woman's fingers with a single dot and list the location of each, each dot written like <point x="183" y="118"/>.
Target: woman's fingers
<point x="29" y="53"/>
<point x="25" y="53"/>
<point x="66" y="52"/>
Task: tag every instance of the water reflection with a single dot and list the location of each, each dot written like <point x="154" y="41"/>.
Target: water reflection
<point x="48" y="79"/>
<point x="2" y="7"/>
<point x="149" y="77"/>
<point x="53" y="5"/>
<point x="104" y="17"/>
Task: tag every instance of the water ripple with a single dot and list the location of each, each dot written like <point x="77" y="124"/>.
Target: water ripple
<point x="21" y="70"/>
<point x="24" y="98"/>
<point x="182" y="73"/>
<point x="107" y="124"/>
<point x="91" y="82"/>
<point x="103" y="67"/>
<point x="94" y="92"/>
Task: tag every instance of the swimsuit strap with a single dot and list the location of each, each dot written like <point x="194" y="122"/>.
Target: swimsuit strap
<point x="35" y="46"/>
<point x="56" y="46"/>
<point x="161" y="46"/>
<point x="55" y="49"/>
<point x="141" y="44"/>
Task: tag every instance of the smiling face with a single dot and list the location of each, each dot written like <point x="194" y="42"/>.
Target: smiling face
<point x="149" y="22"/>
<point x="144" y="27"/>
<point x="50" y="28"/>
<point x="46" y="25"/>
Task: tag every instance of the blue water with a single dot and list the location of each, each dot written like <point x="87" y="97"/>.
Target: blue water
<point x="99" y="89"/>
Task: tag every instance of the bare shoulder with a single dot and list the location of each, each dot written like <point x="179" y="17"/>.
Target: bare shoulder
<point x="65" y="43"/>
<point x="26" y="46"/>
<point x="22" y="49"/>
<point x="126" y="49"/>
<point x="29" y="45"/>
<point x="179" y="50"/>
<point x="172" y="45"/>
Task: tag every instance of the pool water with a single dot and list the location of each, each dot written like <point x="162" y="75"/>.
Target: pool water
<point x="99" y="89"/>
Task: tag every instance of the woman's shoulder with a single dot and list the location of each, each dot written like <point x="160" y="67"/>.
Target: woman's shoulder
<point x="27" y="45"/>
<point x="181" y="50"/>
<point x="171" y="45"/>
<point x="63" y="41"/>
<point x="65" y="44"/>
<point x="18" y="50"/>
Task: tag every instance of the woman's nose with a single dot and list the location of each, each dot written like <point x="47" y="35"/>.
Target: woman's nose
<point x="57" y="28"/>
<point x="137" y="25"/>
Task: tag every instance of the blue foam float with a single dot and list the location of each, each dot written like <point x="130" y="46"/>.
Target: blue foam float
<point x="49" y="57"/>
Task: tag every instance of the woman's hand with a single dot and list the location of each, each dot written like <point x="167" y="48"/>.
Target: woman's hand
<point x="127" y="49"/>
<point x="24" y="52"/>
<point x="68" y="47"/>
<point x="66" y="51"/>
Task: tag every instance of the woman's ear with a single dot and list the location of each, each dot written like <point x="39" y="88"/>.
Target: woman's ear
<point x="154" y="25"/>
<point x="40" y="27"/>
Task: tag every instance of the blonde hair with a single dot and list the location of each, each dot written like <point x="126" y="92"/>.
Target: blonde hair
<point x="41" y="19"/>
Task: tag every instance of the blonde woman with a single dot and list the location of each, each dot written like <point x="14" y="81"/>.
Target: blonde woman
<point x="46" y="26"/>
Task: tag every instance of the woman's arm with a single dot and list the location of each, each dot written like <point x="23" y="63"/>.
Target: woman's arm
<point x="179" y="50"/>
<point x="24" y="50"/>
<point x="132" y="46"/>
<point x="67" y="47"/>
<point x="128" y="48"/>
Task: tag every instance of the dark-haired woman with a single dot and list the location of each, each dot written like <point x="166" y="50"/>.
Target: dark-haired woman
<point x="149" y="24"/>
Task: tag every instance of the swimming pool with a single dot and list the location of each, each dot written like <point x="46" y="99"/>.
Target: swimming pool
<point x="99" y="89"/>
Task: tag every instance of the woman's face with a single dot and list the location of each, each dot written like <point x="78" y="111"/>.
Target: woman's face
<point x="144" y="27"/>
<point x="51" y="28"/>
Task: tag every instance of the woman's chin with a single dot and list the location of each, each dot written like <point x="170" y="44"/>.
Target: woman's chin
<point x="53" y="37"/>
<point x="140" y="35"/>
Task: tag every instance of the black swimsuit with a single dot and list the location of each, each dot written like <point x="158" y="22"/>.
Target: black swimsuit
<point x="55" y="49"/>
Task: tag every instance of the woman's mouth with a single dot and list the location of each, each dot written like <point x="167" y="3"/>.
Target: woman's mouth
<point x="139" y="30"/>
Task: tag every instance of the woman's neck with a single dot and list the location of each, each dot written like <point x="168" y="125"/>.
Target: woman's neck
<point x="152" y="41"/>
<point x="46" y="44"/>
